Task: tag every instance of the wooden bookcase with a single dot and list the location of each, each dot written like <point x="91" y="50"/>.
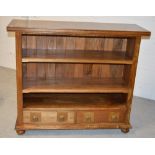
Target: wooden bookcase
<point x="73" y="75"/>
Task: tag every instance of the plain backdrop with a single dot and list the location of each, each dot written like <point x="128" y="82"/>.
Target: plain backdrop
<point x="144" y="86"/>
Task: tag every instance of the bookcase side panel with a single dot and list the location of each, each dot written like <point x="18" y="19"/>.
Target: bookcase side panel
<point x="19" y="78"/>
<point x="134" y="46"/>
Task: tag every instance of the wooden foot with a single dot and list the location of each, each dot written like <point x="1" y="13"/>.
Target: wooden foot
<point x="125" y="130"/>
<point x="20" y="132"/>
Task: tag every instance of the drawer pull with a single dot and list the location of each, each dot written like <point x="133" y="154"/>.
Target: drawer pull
<point x="62" y="116"/>
<point x="88" y="117"/>
<point x="35" y="117"/>
<point x="114" y="116"/>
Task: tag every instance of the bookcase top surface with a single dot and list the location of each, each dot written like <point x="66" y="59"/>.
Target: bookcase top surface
<point x="76" y="28"/>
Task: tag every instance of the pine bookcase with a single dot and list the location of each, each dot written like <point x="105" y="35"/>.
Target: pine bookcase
<point x="75" y="75"/>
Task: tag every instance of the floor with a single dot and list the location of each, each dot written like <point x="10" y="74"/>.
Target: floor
<point x="142" y="116"/>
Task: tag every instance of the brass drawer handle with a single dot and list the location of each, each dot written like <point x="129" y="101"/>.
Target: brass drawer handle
<point x="62" y="116"/>
<point x="35" y="117"/>
<point x="89" y="117"/>
<point x="114" y="116"/>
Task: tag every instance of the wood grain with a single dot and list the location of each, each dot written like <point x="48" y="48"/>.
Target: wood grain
<point x="48" y="117"/>
<point x="132" y="75"/>
<point x="49" y="126"/>
<point x="76" y="28"/>
<point x="76" y="56"/>
<point x="105" y="85"/>
<point x="19" y="78"/>
<point x="72" y="101"/>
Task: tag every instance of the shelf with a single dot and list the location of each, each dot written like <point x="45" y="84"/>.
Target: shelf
<point x="72" y="101"/>
<point x="75" y="56"/>
<point x="104" y="85"/>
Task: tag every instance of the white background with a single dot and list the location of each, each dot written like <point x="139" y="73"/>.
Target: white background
<point x="144" y="86"/>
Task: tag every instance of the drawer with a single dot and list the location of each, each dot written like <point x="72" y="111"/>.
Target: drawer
<point x="48" y="117"/>
<point x="103" y="116"/>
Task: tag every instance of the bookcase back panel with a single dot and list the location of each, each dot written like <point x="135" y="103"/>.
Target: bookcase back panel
<point x="60" y="70"/>
<point x="76" y="43"/>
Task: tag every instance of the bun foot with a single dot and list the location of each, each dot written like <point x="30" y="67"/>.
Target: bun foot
<point x="125" y="130"/>
<point x="20" y="132"/>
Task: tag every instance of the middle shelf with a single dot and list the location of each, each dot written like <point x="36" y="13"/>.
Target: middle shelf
<point x="75" y="56"/>
<point x="78" y="85"/>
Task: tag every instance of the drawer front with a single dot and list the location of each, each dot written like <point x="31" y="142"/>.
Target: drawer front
<point x="48" y="117"/>
<point x="104" y="116"/>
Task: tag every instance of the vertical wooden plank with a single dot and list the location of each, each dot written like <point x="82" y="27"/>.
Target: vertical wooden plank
<point x="24" y="42"/>
<point x="129" y="52"/>
<point x="41" y="44"/>
<point x="50" y="70"/>
<point x="105" y="71"/>
<point x="31" y="67"/>
<point x="19" y="78"/>
<point x="130" y="47"/>
<point x="116" y="71"/>
<point x="106" y="68"/>
<point x="51" y="42"/>
<point x="59" y="69"/>
<point x="50" y="67"/>
<point x="117" y="44"/>
<point x="78" y="71"/>
<point x="98" y="69"/>
<point x="69" y="44"/>
<point x="24" y="54"/>
<point x="124" y="45"/>
<point x="100" y="44"/>
<point x="132" y="75"/>
<point x="108" y="44"/>
<point x="88" y="68"/>
<point x="80" y="43"/>
<point x="24" y="72"/>
<point x="60" y="42"/>
<point x="78" y="68"/>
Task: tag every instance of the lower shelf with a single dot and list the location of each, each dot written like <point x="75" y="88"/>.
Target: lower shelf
<point x="73" y="101"/>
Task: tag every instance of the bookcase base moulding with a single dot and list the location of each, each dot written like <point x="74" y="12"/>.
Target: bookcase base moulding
<point x="73" y="75"/>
